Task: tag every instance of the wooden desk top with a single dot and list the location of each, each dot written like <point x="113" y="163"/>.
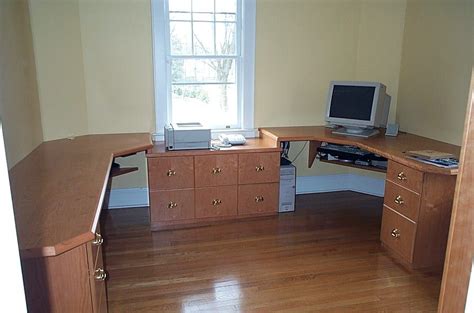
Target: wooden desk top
<point x="252" y="145"/>
<point x="58" y="190"/>
<point x="392" y="148"/>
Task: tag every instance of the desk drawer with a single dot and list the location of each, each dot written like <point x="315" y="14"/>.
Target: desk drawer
<point x="171" y="205"/>
<point x="398" y="233"/>
<point x="216" y="170"/>
<point x="405" y="176"/>
<point x="259" y="168"/>
<point x="170" y="173"/>
<point x="258" y="198"/>
<point x="402" y="200"/>
<point x="216" y="201"/>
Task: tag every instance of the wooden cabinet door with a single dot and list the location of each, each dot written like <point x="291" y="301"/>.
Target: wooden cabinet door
<point x="170" y="173"/>
<point x="258" y="199"/>
<point x="216" y="201"/>
<point x="216" y="170"/>
<point x="398" y="233"/>
<point x="259" y="168"/>
<point x="172" y="205"/>
<point x="402" y="200"/>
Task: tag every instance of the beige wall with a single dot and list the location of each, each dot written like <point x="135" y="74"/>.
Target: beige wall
<point x="19" y="105"/>
<point x="438" y="52"/>
<point x="59" y="65"/>
<point x="302" y="45"/>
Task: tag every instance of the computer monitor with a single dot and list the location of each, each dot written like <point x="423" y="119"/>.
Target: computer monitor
<point x="358" y="107"/>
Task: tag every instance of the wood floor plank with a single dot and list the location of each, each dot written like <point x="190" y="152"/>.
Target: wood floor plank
<point x="325" y="257"/>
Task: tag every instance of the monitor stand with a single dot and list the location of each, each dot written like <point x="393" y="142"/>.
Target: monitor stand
<point x="356" y="132"/>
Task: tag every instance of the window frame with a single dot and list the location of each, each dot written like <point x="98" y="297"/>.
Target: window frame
<point x="161" y="68"/>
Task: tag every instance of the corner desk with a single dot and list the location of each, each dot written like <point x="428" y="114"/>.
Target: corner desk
<point x="418" y="197"/>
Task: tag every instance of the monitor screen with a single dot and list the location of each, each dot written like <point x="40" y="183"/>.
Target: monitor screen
<point x="352" y="102"/>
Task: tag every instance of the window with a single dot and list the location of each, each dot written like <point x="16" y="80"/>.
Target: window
<point x="204" y="62"/>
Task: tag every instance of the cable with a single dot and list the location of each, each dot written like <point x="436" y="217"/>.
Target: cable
<point x="297" y="155"/>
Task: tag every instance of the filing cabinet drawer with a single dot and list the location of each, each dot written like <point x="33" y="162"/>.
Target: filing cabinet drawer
<point x="398" y="233"/>
<point x="97" y="275"/>
<point x="402" y="200"/>
<point x="258" y="198"/>
<point x="172" y="205"/>
<point x="171" y="173"/>
<point x="259" y="168"/>
<point x="216" y="201"/>
<point x="405" y="176"/>
<point x="216" y="170"/>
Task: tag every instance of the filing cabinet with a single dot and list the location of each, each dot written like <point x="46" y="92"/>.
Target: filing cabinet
<point x="416" y="215"/>
<point x="202" y="186"/>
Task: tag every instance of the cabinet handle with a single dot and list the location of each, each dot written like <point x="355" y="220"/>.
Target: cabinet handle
<point x="399" y="200"/>
<point x="259" y="199"/>
<point x="172" y="205"/>
<point x="216" y="170"/>
<point x="395" y="233"/>
<point x="100" y="274"/>
<point x="171" y="173"/>
<point x="259" y="168"/>
<point x="402" y="176"/>
<point x="98" y="240"/>
<point x="216" y="202"/>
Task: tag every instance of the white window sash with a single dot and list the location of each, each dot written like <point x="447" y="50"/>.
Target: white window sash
<point x="162" y="67"/>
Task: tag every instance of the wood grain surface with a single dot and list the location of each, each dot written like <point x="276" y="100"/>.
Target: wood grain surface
<point x="460" y="251"/>
<point x="58" y="190"/>
<point x="392" y="148"/>
<point x="325" y="257"/>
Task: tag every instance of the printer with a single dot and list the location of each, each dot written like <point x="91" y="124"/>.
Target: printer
<point x="184" y="136"/>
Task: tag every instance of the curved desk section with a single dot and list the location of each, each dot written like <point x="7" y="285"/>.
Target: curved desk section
<point x="58" y="190"/>
<point x="392" y="148"/>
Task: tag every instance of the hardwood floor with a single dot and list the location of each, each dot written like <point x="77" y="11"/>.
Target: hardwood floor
<point x="326" y="257"/>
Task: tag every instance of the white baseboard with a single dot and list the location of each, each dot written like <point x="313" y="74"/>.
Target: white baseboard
<point x="138" y="197"/>
<point x="128" y="198"/>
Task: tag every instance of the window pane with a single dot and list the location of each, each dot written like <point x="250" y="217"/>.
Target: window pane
<point x="180" y="38"/>
<point x="203" y="38"/>
<point x="179" y="5"/>
<point x="203" y="70"/>
<point x="180" y="16"/>
<point x="225" y="38"/>
<point x="225" y="17"/>
<point x="209" y="104"/>
<point x="226" y="6"/>
<point x="203" y="6"/>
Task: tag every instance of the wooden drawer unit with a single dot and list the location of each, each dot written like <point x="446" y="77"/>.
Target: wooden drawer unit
<point x="216" y="170"/>
<point x="97" y="275"/>
<point x="258" y="198"/>
<point x="402" y="200"/>
<point x="216" y="201"/>
<point x="398" y="233"/>
<point x="257" y="168"/>
<point x="207" y="186"/>
<point x="171" y="205"/>
<point x="170" y="173"/>
<point x="405" y="176"/>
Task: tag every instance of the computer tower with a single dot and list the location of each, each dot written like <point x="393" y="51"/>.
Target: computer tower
<point x="287" y="188"/>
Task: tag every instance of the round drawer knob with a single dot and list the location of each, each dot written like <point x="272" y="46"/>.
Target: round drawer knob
<point x="402" y="176"/>
<point x="216" y="202"/>
<point x="395" y="233"/>
<point x="259" y="199"/>
<point x="171" y="173"/>
<point x="259" y="168"/>
<point x="98" y="240"/>
<point x="172" y="205"/>
<point x="399" y="200"/>
<point x="100" y="274"/>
